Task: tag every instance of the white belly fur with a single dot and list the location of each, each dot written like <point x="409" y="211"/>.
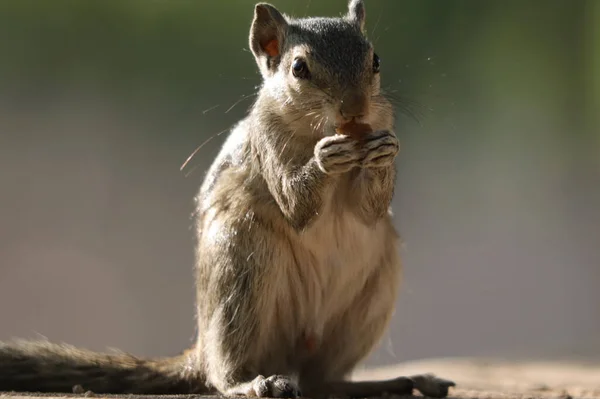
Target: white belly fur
<point x="337" y="254"/>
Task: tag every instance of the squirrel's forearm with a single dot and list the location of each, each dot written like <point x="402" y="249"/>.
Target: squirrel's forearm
<point x="374" y="189"/>
<point x="299" y="194"/>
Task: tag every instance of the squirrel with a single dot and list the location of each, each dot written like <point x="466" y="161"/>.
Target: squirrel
<point x="297" y="259"/>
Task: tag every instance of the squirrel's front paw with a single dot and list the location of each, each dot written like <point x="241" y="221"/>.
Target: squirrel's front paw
<point x="381" y="149"/>
<point x="338" y="154"/>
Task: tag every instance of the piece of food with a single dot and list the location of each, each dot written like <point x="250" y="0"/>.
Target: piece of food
<point x="354" y="129"/>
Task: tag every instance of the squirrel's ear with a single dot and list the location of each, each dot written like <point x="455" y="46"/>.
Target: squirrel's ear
<point x="267" y="35"/>
<point x="356" y="13"/>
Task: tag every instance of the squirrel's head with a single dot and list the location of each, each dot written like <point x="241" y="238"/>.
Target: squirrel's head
<point x="320" y="71"/>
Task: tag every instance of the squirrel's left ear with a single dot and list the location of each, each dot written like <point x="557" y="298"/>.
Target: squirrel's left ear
<point x="356" y="13"/>
<point x="266" y="36"/>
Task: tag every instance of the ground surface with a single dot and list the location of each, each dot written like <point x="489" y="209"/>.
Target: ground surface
<point x="475" y="378"/>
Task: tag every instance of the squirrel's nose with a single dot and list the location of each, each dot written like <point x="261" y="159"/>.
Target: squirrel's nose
<point x="354" y="105"/>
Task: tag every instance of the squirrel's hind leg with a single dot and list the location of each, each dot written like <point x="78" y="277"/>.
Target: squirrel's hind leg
<point x="353" y="336"/>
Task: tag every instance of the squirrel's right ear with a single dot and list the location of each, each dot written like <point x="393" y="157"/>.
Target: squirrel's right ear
<point x="356" y="13"/>
<point x="266" y="36"/>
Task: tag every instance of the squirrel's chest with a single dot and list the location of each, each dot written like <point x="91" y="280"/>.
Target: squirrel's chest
<point x="334" y="258"/>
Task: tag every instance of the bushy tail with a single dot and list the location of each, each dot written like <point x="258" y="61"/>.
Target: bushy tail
<point x="40" y="366"/>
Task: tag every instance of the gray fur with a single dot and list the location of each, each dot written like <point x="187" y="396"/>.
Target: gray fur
<point x="297" y="267"/>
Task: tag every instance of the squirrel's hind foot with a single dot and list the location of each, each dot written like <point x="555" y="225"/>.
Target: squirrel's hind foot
<point x="275" y="386"/>
<point x="430" y="385"/>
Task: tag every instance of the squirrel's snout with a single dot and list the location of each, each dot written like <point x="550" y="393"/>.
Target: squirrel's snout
<point x="354" y="106"/>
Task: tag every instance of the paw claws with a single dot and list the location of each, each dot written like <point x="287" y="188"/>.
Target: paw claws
<point x="275" y="386"/>
<point x="381" y="149"/>
<point x="337" y="154"/>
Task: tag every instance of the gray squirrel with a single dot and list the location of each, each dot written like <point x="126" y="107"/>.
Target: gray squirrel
<point x="297" y="266"/>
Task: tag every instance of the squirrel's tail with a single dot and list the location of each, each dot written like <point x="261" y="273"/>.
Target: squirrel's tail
<point x="40" y="366"/>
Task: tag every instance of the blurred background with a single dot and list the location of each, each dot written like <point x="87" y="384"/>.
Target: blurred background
<point x="498" y="196"/>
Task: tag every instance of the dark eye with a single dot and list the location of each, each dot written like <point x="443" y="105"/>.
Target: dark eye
<point x="300" y="69"/>
<point x="375" y="63"/>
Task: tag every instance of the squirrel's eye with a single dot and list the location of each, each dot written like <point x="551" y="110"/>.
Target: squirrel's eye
<point x="300" y="69"/>
<point x="375" y="63"/>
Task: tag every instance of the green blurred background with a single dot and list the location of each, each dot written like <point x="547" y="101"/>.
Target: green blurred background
<point x="498" y="196"/>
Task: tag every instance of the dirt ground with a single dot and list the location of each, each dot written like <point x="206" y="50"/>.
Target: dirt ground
<point x="475" y="379"/>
